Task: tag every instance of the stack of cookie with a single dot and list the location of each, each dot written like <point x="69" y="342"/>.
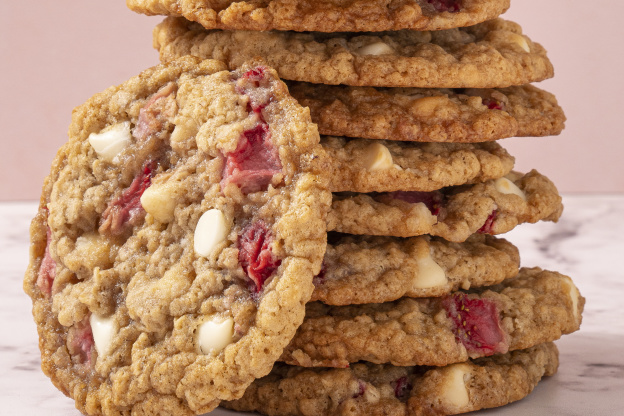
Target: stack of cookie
<point x="410" y="98"/>
<point x="183" y="227"/>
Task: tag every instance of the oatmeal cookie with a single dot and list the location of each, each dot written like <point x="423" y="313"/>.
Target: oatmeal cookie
<point x="431" y="115"/>
<point x="369" y="389"/>
<point x="177" y="238"/>
<point x="365" y="269"/>
<point x="488" y="55"/>
<point x="361" y="165"/>
<point x="327" y="15"/>
<point x="492" y="207"/>
<point x="534" y="307"/>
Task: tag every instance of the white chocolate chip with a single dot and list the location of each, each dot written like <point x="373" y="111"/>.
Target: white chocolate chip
<point x="111" y="141"/>
<point x="427" y="106"/>
<point x="215" y="334"/>
<point x="505" y="186"/>
<point x="378" y="157"/>
<point x="520" y="41"/>
<point x="454" y="392"/>
<point x="430" y="274"/>
<point x="210" y="231"/>
<point x="574" y="296"/>
<point x="160" y="200"/>
<point x="377" y="48"/>
<point x="103" y="331"/>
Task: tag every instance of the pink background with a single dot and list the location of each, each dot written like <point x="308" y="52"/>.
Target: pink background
<point x="56" y="54"/>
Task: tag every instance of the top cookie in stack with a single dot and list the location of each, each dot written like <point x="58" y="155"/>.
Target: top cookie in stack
<point x="410" y="97"/>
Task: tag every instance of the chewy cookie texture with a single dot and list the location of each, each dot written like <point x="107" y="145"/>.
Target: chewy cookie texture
<point x="326" y="15"/>
<point x="431" y="115"/>
<point x="454" y="213"/>
<point x="177" y="238"/>
<point x="369" y="389"/>
<point x="534" y="307"/>
<point x="367" y="269"/>
<point x="493" y="54"/>
<point x="361" y="165"/>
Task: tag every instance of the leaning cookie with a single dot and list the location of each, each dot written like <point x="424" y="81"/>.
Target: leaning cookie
<point x="534" y="307"/>
<point x="177" y="236"/>
<point x="369" y="389"/>
<point x="360" y="165"/>
<point x="365" y="269"/>
<point x="431" y="115"/>
<point x="487" y="55"/>
<point x="327" y="15"/>
<point x="455" y="213"/>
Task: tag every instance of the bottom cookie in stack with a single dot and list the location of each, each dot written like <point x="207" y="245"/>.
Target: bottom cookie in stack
<point x="374" y="389"/>
<point x="462" y="351"/>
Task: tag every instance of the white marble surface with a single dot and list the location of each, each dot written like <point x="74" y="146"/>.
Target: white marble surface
<point x="587" y="244"/>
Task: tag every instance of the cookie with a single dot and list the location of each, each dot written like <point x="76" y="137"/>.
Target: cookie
<point x="488" y="55"/>
<point x="361" y="165"/>
<point x="177" y="236"/>
<point x="365" y="269"/>
<point x="492" y="207"/>
<point x="431" y="115"/>
<point x="327" y="15"/>
<point x="369" y="389"/>
<point x="534" y="307"/>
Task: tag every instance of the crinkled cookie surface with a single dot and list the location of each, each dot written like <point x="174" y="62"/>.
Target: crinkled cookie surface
<point x="534" y="307"/>
<point x="369" y="389"/>
<point x="454" y="213"/>
<point x="492" y="54"/>
<point x="177" y="238"/>
<point x="431" y="115"/>
<point x="368" y="269"/>
<point x="361" y="165"/>
<point x="327" y="15"/>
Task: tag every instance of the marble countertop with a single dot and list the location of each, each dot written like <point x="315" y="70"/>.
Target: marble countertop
<point x="587" y="244"/>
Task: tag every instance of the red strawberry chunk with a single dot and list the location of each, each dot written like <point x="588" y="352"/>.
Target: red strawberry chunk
<point x="256" y="86"/>
<point x="361" y="389"/>
<point x="488" y="226"/>
<point x="494" y="104"/>
<point x="452" y="6"/>
<point x="476" y="324"/>
<point x="255" y="255"/>
<point x="254" y="162"/>
<point x="255" y="75"/>
<point x="47" y="270"/>
<point x="80" y="341"/>
<point x="126" y="211"/>
<point x="159" y="109"/>
<point x="433" y="200"/>
<point x="402" y="387"/>
<point x="319" y="279"/>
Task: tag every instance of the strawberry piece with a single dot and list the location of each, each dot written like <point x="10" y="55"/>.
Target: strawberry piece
<point x="126" y="211"/>
<point x="433" y="200"/>
<point x="254" y="253"/>
<point x="255" y="85"/>
<point x="158" y="110"/>
<point x="476" y="324"/>
<point x="488" y="226"/>
<point x="47" y="269"/>
<point x="493" y="104"/>
<point x="319" y="279"/>
<point x="452" y="6"/>
<point x="254" y="162"/>
<point x="361" y="389"/>
<point x="402" y="387"/>
<point x="255" y="75"/>
<point x="80" y="341"/>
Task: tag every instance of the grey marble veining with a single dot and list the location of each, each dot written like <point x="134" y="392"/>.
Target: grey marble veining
<point x="587" y="244"/>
